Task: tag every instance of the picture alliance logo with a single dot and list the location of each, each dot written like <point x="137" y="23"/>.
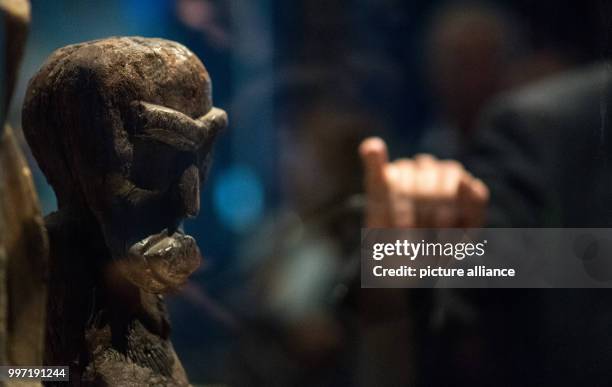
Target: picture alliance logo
<point x="422" y="248"/>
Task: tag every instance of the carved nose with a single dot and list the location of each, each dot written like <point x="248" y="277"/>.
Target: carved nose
<point x="189" y="190"/>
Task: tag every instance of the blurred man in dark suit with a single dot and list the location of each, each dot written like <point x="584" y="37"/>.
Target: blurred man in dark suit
<point x="542" y="153"/>
<point x="540" y="159"/>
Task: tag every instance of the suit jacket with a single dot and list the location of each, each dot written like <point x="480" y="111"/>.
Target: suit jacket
<point x="544" y="151"/>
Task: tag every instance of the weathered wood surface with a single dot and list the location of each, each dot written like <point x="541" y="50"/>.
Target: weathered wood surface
<point x="23" y="241"/>
<point x="123" y="130"/>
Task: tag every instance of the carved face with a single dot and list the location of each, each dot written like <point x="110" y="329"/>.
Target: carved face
<point x="171" y="154"/>
<point x="123" y="129"/>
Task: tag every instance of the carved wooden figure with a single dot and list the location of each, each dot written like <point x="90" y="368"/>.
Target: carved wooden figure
<point x="23" y="247"/>
<point x="123" y="129"/>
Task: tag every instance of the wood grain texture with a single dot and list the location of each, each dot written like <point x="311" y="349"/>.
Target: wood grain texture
<point x="123" y="129"/>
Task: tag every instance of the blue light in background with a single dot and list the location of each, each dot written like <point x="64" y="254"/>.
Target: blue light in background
<point x="147" y="17"/>
<point x="238" y="198"/>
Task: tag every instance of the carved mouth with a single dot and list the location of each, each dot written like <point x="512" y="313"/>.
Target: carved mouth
<point x="161" y="262"/>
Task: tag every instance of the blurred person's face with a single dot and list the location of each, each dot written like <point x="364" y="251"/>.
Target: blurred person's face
<point x="466" y="66"/>
<point x="307" y="182"/>
<point x="316" y="162"/>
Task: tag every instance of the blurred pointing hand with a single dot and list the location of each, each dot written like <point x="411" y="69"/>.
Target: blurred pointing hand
<point x="419" y="192"/>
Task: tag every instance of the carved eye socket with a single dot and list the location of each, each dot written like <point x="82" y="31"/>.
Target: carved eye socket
<point x="174" y="128"/>
<point x="166" y="142"/>
<point x="156" y="166"/>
